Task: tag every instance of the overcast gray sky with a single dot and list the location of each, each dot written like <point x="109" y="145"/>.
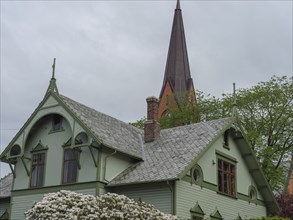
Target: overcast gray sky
<point x="111" y="55"/>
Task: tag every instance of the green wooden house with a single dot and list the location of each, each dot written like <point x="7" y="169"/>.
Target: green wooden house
<point x="205" y="170"/>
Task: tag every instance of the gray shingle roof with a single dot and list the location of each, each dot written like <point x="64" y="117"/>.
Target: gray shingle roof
<point x="112" y="132"/>
<point x="172" y="152"/>
<point x="6" y="185"/>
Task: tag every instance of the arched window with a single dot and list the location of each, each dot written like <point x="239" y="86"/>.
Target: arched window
<point x="15" y="150"/>
<point x="81" y="138"/>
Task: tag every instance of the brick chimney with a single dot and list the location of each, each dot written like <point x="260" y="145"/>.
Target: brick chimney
<point x="152" y="127"/>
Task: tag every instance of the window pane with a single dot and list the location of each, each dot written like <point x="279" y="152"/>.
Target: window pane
<point x="56" y="122"/>
<point x="226" y="177"/>
<point x="69" y="167"/>
<point x="38" y="168"/>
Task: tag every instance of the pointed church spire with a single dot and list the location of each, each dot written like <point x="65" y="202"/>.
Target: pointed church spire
<point x="178" y="4"/>
<point x="52" y="86"/>
<point x="177" y="77"/>
<point x="177" y="71"/>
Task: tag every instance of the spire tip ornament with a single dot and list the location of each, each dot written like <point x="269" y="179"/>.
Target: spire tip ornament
<point x="52" y="86"/>
<point x="178" y="5"/>
<point x="234" y="110"/>
<point x="53" y="69"/>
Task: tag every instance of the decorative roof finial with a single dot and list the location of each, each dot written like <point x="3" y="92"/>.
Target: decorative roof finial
<point x="234" y="110"/>
<point x="52" y="86"/>
<point x="53" y="69"/>
<point x="178" y="5"/>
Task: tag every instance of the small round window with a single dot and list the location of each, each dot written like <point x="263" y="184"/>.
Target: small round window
<point x="15" y="150"/>
<point x="252" y="193"/>
<point x="197" y="174"/>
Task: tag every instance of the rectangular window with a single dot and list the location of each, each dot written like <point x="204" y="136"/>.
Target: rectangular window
<point x="57" y="126"/>
<point x="226" y="177"/>
<point x="69" y="166"/>
<point x="38" y="167"/>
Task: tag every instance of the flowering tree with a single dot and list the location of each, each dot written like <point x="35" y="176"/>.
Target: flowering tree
<point x="71" y="205"/>
<point x="286" y="205"/>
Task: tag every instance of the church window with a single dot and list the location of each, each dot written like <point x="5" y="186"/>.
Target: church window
<point x="226" y="178"/>
<point x="38" y="168"/>
<point x="70" y="166"/>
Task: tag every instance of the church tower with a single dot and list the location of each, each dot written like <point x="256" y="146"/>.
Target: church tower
<point x="177" y="79"/>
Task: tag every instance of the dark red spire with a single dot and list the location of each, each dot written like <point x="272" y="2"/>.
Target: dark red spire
<point x="177" y="71"/>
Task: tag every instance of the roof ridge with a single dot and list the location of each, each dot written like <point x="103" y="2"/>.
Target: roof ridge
<point x="123" y="122"/>
<point x="197" y="123"/>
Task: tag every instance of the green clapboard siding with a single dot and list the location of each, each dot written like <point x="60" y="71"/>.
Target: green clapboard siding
<point x="158" y="195"/>
<point x="229" y="208"/>
<point x="22" y="203"/>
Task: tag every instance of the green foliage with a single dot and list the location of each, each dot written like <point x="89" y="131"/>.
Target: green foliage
<point x="265" y="113"/>
<point x="183" y="114"/>
<point x="139" y="123"/>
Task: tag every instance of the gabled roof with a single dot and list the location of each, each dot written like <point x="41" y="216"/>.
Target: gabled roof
<point x="110" y="131"/>
<point x="177" y="71"/>
<point x="107" y="130"/>
<point x="5" y="186"/>
<point x="170" y="154"/>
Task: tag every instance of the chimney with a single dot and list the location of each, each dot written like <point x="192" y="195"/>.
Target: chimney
<point x="152" y="126"/>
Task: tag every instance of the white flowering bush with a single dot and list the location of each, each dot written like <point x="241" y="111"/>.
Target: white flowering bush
<point x="71" y="205"/>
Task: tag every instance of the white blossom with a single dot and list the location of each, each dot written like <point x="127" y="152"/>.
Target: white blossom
<point x="70" y="205"/>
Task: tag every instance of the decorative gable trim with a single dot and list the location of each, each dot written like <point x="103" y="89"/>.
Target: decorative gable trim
<point x="216" y="215"/>
<point x="9" y="146"/>
<point x="197" y="209"/>
<point x="238" y="217"/>
<point x="5" y="215"/>
<point x="39" y="147"/>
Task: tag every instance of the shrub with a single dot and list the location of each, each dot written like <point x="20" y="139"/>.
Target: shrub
<point x="70" y="205"/>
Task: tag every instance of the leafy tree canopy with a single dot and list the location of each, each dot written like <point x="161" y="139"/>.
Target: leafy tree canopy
<point x="265" y="114"/>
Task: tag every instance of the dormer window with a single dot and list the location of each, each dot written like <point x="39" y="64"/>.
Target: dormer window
<point x="57" y="123"/>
